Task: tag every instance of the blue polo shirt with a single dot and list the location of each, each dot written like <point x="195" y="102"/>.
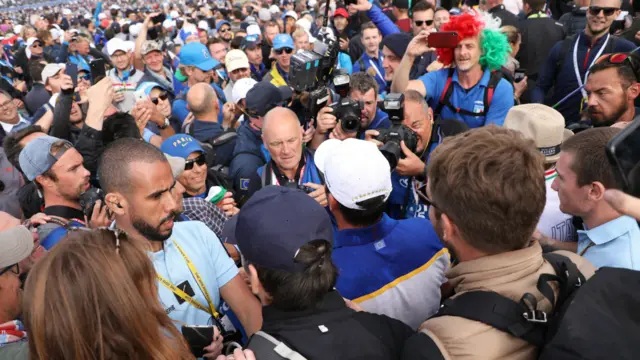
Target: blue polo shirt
<point x="380" y="121"/>
<point x="210" y="259"/>
<point x="385" y="266"/>
<point x="616" y="244"/>
<point x="369" y="65"/>
<point x="471" y="99"/>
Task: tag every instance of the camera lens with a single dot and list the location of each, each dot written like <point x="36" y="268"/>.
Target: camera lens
<point x="350" y="123"/>
<point x="392" y="152"/>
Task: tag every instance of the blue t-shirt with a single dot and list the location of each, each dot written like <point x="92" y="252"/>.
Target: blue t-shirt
<point x="471" y="99"/>
<point x="210" y="259"/>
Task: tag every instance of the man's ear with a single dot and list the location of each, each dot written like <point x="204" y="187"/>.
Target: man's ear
<point x="633" y="91"/>
<point x="116" y="203"/>
<point x="333" y="203"/>
<point x="256" y="286"/>
<point x="596" y="191"/>
<point x="44" y="181"/>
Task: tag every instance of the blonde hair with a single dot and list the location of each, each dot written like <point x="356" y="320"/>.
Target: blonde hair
<point x="299" y="33"/>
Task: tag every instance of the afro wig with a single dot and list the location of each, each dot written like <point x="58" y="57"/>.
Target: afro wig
<point x="493" y="44"/>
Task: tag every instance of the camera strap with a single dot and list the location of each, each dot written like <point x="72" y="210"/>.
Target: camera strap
<point x="282" y="179"/>
<point x="196" y="275"/>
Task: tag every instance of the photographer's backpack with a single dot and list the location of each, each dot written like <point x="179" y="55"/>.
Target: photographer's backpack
<point x="595" y="319"/>
<point x="216" y="160"/>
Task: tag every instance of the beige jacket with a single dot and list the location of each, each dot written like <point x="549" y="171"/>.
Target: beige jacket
<point x="510" y="274"/>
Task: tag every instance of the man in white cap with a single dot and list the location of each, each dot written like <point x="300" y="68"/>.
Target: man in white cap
<point x="264" y="15"/>
<point x="545" y="126"/>
<point x="237" y="65"/>
<point x="382" y="262"/>
<point x="149" y="58"/>
<point x="239" y="94"/>
<point x="124" y="77"/>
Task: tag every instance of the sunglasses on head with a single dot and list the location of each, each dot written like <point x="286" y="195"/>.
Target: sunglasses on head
<point x="156" y="100"/>
<point x="617" y="58"/>
<point x="420" y="22"/>
<point x="608" y="11"/>
<point x="287" y="50"/>
<point x="200" y="160"/>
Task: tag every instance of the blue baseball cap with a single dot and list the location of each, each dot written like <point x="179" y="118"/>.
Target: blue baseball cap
<point x="196" y="54"/>
<point x="264" y="96"/>
<point x="223" y="22"/>
<point x="36" y="158"/>
<point x="276" y="222"/>
<point x="283" y="41"/>
<point x="147" y="86"/>
<point x="180" y="145"/>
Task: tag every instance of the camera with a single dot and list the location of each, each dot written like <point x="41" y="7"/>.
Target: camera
<point x="349" y="112"/>
<point x="391" y="138"/>
<point x="88" y="200"/>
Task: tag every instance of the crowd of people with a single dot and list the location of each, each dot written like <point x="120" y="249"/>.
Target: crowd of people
<point x="315" y="179"/>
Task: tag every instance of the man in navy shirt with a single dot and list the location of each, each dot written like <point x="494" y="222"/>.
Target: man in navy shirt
<point x="371" y="61"/>
<point x="567" y="66"/>
<point x="470" y="79"/>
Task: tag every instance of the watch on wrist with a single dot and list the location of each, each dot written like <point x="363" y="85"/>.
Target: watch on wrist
<point x="165" y="125"/>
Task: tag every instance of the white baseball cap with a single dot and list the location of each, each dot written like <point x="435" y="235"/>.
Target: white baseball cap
<point x="87" y="16"/>
<point x="168" y="23"/>
<point x="274" y="9"/>
<point x="114" y="7"/>
<point x="116" y="44"/>
<point x="66" y="12"/>
<point x="354" y="170"/>
<point x="51" y="70"/>
<point x="16" y="244"/>
<point x="32" y="40"/>
<point x="292" y="14"/>
<point x="264" y="14"/>
<point x="102" y="16"/>
<point x="236" y="59"/>
<point x="174" y="14"/>
<point x="241" y="88"/>
<point x="134" y="29"/>
<point x="253" y="29"/>
<point x="203" y="25"/>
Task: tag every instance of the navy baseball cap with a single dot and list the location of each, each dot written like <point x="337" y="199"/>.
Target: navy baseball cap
<point x="221" y="23"/>
<point x="196" y="54"/>
<point x="264" y="96"/>
<point x="180" y="145"/>
<point x="276" y="222"/>
<point x="249" y="42"/>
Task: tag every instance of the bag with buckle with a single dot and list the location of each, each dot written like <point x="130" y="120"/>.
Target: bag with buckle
<point x="266" y="347"/>
<point x="522" y="319"/>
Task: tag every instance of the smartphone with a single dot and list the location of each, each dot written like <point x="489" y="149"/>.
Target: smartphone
<point x="198" y="337"/>
<point x="443" y="39"/>
<point x="159" y="19"/>
<point x="623" y="151"/>
<point x="72" y="70"/>
<point x="140" y="96"/>
<point x="98" y="71"/>
<point x="519" y="74"/>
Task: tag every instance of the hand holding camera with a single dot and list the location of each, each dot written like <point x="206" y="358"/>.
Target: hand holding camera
<point x="410" y="165"/>
<point x="326" y="121"/>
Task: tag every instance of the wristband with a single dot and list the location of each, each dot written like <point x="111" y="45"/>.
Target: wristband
<point x="147" y="135"/>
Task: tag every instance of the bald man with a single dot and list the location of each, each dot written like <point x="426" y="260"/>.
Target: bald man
<point x="290" y="164"/>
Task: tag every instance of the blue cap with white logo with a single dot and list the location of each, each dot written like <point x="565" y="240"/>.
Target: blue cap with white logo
<point x="196" y="54"/>
<point x="283" y="41"/>
<point x="180" y="145"/>
<point x="147" y="86"/>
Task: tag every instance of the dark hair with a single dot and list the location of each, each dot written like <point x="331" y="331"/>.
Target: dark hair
<point x="118" y="158"/>
<point x="35" y="69"/>
<point x="214" y="40"/>
<point x="536" y="5"/>
<point x="624" y="69"/>
<point x="589" y="159"/>
<point x="237" y="13"/>
<point x="236" y="41"/>
<point x="301" y="290"/>
<point x="373" y="210"/>
<point x="118" y="126"/>
<point x="363" y="82"/>
<point x="422" y="6"/>
<point x="11" y="143"/>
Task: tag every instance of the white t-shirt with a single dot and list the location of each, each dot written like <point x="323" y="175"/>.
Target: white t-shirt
<point x="553" y="222"/>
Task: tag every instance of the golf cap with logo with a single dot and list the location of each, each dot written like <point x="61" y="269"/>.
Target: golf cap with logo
<point x="37" y="157"/>
<point x="354" y="170"/>
<point x="542" y="124"/>
<point x="221" y="24"/>
<point x="241" y="88"/>
<point x="264" y="96"/>
<point x="275" y="223"/>
<point x="116" y="44"/>
<point x="181" y="145"/>
<point x="249" y="42"/>
<point x="51" y="70"/>
<point x="196" y="54"/>
<point x="236" y="59"/>
<point x="16" y="244"/>
<point x="283" y="41"/>
<point x="291" y="14"/>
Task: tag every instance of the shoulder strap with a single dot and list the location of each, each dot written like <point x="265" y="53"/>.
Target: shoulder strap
<point x="223" y="138"/>
<point x="266" y="178"/>
<point x="564" y="50"/>
<point x="568" y="276"/>
<point x="446" y="93"/>
<point x="494" y="79"/>
<point x="262" y="344"/>
<point x="611" y="45"/>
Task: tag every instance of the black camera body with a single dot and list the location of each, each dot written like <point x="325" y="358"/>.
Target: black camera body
<point x="391" y="138"/>
<point x="88" y="200"/>
<point x="349" y="112"/>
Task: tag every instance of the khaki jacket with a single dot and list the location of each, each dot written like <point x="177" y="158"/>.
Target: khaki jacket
<point x="510" y="274"/>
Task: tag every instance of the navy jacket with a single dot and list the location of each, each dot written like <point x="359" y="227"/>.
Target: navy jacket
<point x="248" y="156"/>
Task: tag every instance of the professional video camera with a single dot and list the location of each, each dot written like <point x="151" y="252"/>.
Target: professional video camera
<point x="391" y="138"/>
<point x="349" y="112"/>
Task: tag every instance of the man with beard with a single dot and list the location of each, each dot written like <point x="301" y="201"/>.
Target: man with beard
<point x="612" y="88"/>
<point x="224" y="32"/>
<point x="569" y="61"/>
<point x="251" y="47"/>
<point x="56" y="168"/>
<point x="193" y="269"/>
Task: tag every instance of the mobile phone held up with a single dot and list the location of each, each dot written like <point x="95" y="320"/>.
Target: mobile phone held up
<point x="98" y="70"/>
<point x="519" y="75"/>
<point x="443" y="39"/>
<point x="72" y="70"/>
<point x="198" y="337"/>
<point x="623" y="151"/>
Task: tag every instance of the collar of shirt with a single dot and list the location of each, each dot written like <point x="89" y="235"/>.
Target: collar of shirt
<point x="484" y="80"/>
<point x="367" y="235"/>
<point x="284" y="74"/>
<point x="377" y="60"/>
<point x="585" y="41"/>
<point x="378" y="119"/>
<point x="22" y="123"/>
<point x="608" y="231"/>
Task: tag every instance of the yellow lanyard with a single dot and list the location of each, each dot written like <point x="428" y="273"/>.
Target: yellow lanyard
<point x="211" y="309"/>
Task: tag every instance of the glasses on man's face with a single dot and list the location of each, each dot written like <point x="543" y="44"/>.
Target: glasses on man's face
<point x="15" y="268"/>
<point x="419" y="23"/>
<point x="86" y="77"/>
<point x="608" y="11"/>
<point x="162" y="97"/>
<point x="222" y="31"/>
<point x="6" y="105"/>
<point x="286" y="50"/>
<point x="200" y="160"/>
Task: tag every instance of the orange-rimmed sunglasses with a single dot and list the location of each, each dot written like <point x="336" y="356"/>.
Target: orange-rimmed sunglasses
<point x="617" y="58"/>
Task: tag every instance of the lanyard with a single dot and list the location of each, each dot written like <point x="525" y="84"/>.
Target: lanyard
<point x="577" y="69"/>
<point x="211" y="309"/>
<point x="376" y="68"/>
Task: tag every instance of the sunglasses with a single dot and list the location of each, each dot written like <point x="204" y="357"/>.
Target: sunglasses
<point x="36" y="45"/>
<point x="84" y="77"/>
<point x="200" y="160"/>
<point x="162" y="97"/>
<point x="287" y="50"/>
<point x="608" y="11"/>
<point x="222" y="31"/>
<point x="617" y="58"/>
<point x="12" y="267"/>
<point x="420" y="22"/>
